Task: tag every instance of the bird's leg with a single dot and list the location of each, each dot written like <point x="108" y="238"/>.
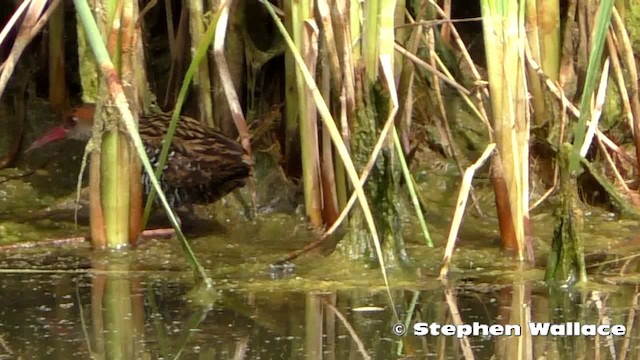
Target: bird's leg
<point x="184" y="212"/>
<point x="157" y="233"/>
<point x="176" y="215"/>
<point x="249" y="212"/>
<point x="162" y="232"/>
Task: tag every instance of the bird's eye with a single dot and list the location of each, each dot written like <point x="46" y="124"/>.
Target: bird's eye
<point x="70" y="123"/>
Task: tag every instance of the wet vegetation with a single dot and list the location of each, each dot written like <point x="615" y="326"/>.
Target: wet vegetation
<point x="446" y="162"/>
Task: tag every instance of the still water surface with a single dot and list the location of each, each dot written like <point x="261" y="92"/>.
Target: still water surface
<point x="72" y="302"/>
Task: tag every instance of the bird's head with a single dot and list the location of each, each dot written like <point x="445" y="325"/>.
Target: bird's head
<point x="77" y="125"/>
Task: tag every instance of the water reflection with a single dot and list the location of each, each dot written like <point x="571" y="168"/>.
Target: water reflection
<point x="113" y="311"/>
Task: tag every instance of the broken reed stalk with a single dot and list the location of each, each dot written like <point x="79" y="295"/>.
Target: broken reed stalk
<point x="463" y="196"/>
<point x="31" y="24"/>
<point x="229" y="90"/>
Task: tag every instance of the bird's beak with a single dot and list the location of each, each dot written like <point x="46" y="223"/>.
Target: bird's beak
<point x="55" y="134"/>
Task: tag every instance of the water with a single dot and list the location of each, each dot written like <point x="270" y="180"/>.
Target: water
<point x="72" y="302"/>
<point x="62" y="302"/>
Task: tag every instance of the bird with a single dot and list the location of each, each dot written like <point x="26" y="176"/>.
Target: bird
<point x="203" y="164"/>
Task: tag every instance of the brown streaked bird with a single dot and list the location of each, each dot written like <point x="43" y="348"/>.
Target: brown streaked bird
<point x="203" y="164"/>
